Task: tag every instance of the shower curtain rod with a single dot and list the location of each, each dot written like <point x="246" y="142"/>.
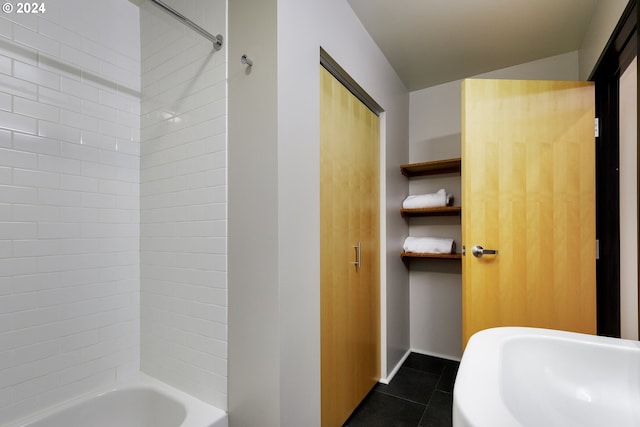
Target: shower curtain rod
<point x="217" y="40"/>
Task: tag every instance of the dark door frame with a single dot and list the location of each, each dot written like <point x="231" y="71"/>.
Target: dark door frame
<point x="619" y="52"/>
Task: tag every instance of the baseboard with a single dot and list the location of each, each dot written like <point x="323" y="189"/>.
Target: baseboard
<point x="395" y="369"/>
<point x="440" y="355"/>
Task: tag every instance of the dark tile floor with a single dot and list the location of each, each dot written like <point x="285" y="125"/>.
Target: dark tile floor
<point x="419" y="395"/>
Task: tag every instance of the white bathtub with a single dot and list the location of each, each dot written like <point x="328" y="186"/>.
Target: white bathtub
<point x="139" y="401"/>
<point x="533" y="377"/>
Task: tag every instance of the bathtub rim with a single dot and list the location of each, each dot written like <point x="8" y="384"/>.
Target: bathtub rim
<point x="198" y="413"/>
<point x="468" y="409"/>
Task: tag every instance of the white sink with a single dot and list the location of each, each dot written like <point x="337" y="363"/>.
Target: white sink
<point x="539" y="377"/>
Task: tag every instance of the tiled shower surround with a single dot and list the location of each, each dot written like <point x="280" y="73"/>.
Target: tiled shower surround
<point x="74" y="293"/>
<point x="184" y="202"/>
<point x="69" y="201"/>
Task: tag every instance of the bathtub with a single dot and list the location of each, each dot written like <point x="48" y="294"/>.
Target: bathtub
<point x="139" y="401"/>
<point x="534" y="377"/>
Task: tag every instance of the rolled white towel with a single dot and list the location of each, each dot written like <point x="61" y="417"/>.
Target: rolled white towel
<point x="431" y="200"/>
<point x="429" y="245"/>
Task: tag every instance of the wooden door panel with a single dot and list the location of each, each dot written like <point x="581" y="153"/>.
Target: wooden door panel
<point x="335" y="249"/>
<point x="529" y="191"/>
<point x="349" y="213"/>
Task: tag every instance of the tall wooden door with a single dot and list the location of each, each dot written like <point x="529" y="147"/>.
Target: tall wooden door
<point x="528" y="191"/>
<point x="349" y="251"/>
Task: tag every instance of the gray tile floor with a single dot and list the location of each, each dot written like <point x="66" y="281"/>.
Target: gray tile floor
<point x="419" y="395"/>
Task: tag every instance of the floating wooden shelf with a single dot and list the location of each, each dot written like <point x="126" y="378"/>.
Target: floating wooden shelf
<point x="424" y="169"/>
<point x="432" y="168"/>
<point x="440" y="211"/>
<point x="405" y="255"/>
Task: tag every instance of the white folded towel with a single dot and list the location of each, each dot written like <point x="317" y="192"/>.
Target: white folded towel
<point x="429" y="245"/>
<point x="432" y="200"/>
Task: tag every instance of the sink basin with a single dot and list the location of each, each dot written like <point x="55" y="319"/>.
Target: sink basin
<point x="516" y="376"/>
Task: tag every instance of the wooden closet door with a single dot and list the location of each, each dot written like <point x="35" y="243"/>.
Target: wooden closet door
<point x="349" y="215"/>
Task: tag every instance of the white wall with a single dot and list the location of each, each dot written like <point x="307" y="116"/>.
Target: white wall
<point x="629" y="202"/>
<point x="69" y="206"/>
<point x="254" y="307"/>
<point x="183" y="194"/>
<point x="282" y="320"/>
<point x="434" y="133"/>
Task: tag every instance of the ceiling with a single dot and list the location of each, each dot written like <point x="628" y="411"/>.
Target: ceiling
<point x="429" y="42"/>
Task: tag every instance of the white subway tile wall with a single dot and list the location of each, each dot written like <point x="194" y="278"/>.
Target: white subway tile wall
<point x="184" y="202"/>
<point x="69" y="201"/>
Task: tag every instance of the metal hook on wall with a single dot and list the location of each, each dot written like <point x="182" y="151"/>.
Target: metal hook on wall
<point x="245" y="60"/>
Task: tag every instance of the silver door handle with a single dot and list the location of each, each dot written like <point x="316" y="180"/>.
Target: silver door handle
<point x="478" y="251"/>
<point x="358" y="259"/>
